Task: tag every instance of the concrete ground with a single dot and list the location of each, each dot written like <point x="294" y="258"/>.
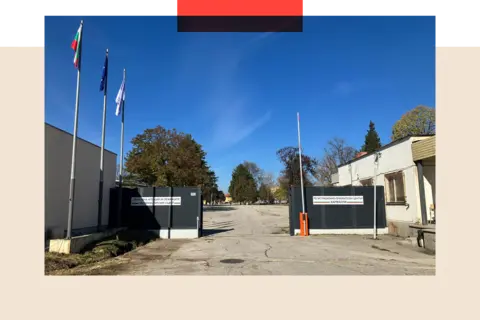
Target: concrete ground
<point x="254" y="240"/>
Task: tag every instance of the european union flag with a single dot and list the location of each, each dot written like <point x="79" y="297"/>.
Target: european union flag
<point x="103" y="82"/>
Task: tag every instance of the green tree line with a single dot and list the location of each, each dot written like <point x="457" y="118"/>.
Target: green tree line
<point x="167" y="157"/>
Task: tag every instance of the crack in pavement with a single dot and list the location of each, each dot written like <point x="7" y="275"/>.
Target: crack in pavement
<point x="266" y="250"/>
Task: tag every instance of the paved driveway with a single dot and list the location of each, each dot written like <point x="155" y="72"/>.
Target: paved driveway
<point x="254" y="240"/>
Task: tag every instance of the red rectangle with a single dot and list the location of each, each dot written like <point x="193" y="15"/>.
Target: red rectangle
<point x="240" y="8"/>
<point x="411" y="4"/>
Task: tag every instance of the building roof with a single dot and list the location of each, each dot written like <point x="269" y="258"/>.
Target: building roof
<point x="91" y="143"/>
<point x="391" y="144"/>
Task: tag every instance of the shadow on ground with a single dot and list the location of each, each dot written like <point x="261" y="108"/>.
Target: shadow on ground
<point x="210" y="232"/>
<point x="282" y="230"/>
<point x="218" y="208"/>
<point x="131" y="239"/>
<point x="218" y="225"/>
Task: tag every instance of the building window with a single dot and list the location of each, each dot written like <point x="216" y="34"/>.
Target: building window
<point x="367" y="182"/>
<point x="395" y="188"/>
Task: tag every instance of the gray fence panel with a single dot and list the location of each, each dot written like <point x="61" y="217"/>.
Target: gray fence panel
<point x="337" y="216"/>
<point x="150" y="217"/>
<point x="185" y="216"/>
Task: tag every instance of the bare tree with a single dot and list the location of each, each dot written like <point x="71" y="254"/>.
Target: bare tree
<point x="267" y="179"/>
<point x="337" y="153"/>
<point x="289" y="157"/>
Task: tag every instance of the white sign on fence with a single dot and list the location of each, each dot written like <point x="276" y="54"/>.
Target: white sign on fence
<point x="159" y="201"/>
<point x="338" y="200"/>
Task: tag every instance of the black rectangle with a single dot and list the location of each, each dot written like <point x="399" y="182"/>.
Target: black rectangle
<point x="240" y="23"/>
<point x="149" y="217"/>
<point x="337" y="216"/>
<point x="459" y="24"/>
<point x="185" y="216"/>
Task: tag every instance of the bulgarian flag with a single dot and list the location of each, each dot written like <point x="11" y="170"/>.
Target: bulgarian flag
<point x="76" y="45"/>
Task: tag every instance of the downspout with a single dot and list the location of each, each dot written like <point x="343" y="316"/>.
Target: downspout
<point x="421" y="186"/>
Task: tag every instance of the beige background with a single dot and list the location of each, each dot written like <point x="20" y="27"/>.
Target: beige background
<point x="27" y="293"/>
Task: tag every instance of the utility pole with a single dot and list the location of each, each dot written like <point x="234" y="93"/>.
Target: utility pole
<point x="301" y="176"/>
<point x="377" y="157"/>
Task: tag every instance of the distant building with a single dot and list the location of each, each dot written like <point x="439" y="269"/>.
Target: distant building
<point x="228" y="198"/>
<point x="406" y="169"/>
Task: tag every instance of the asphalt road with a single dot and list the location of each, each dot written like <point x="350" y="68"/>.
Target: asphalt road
<point x="254" y="240"/>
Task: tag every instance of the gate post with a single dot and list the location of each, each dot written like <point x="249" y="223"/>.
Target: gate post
<point x="302" y="230"/>
<point x="303" y="224"/>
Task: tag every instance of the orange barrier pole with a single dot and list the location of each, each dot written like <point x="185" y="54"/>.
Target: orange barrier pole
<point x="302" y="230"/>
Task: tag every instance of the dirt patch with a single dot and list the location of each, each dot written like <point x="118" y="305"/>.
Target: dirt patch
<point x="93" y="254"/>
<point x="232" y="261"/>
<point x="135" y="262"/>
<point x="263" y="213"/>
<point x="282" y="230"/>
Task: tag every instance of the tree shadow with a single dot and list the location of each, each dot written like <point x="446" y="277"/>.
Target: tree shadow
<point x="219" y="225"/>
<point x="218" y="208"/>
<point x="125" y="238"/>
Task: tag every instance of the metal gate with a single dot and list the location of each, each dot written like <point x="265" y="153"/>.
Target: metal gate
<point x="337" y="208"/>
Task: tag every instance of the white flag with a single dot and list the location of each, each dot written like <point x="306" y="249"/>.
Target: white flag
<point x="120" y="97"/>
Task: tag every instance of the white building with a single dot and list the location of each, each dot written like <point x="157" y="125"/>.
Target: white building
<point x="408" y="199"/>
<point x="58" y="159"/>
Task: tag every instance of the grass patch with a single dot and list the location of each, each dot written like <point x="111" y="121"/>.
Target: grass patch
<point x="107" y="248"/>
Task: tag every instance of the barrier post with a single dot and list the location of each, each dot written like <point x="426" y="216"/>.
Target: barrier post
<point x="302" y="229"/>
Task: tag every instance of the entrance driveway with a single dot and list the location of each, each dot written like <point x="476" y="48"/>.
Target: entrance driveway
<point x="254" y="240"/>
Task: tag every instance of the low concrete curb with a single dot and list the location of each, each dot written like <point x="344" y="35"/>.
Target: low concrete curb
<point x="76" y="244"/>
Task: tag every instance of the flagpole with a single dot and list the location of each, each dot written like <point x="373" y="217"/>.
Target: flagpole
<point x="74" y="144"/>
<point x="301" y="176"/>
<point x="102" y="151"/>
<point x="120" y="178"/>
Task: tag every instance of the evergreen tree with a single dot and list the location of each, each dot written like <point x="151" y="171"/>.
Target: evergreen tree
<point x="265" y="193"/>
<point x="372" y="139"/>
<point x="242" y="186"/>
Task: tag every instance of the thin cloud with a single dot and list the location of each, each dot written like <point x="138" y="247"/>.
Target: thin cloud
<point x="347" y="88"/>
<point x="232" y="130"/>
<point x="239" y="118"/>
<point x="262" y="36"/>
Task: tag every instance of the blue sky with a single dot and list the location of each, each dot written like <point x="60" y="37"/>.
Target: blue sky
<point x="238" y="93"/>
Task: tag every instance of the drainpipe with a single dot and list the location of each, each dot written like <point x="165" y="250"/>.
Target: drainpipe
<point x="377" y="156"/>
<point x="170" y="209"/>
<point x="350" y="171"/>
<point x="421" y="187"/>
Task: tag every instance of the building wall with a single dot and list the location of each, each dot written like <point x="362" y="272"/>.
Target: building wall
<point x="58" y="157"/>
<point x="398" y="157"/>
